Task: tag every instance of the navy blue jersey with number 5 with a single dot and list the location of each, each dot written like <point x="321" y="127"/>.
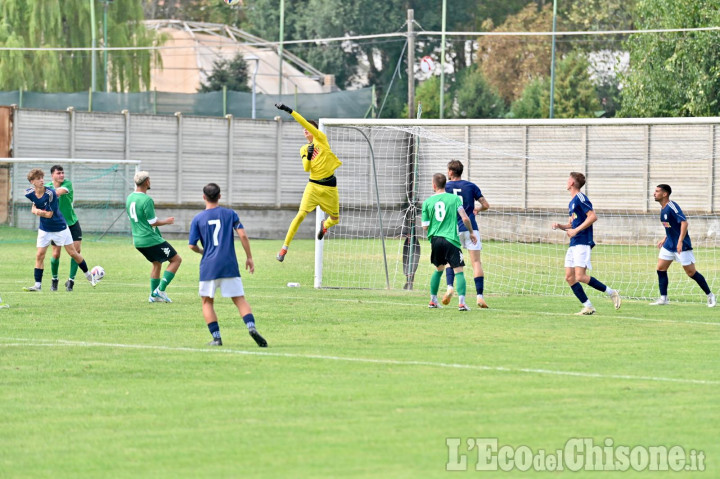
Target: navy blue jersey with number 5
<point x="215" y="228"/>
<point x="469" y="192"/>
<point x="671" y="218"/>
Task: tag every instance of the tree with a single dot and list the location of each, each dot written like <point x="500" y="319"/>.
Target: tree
<point x="676" y="74"/>
<point x="510" y="62"/>
<point x="475" y="98"/>
<point x="66" y="23"/>
<point x="428" y="94"/>
<point x="232" y="74"/>
<point x="575" y="93"/>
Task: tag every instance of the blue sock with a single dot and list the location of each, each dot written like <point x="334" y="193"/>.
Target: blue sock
<point x="663" y="282"/>
<point x="480" y="284"/>
<point x="450" y="275"/>
<point x="214" y="330"/>
<point x="700" y="280"/>
<point x="579" y="292"/>
<point x="249" y="320"/>
<point x="38" y="275"/>
<point x="597" y="285"/>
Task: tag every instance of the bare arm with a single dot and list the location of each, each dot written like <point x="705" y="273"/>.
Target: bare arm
<point x="249" y="264"/>
<point x="467" y="223"/>
<point x="166" y="221"/>
<point x="563" y="227"/>
<point x="61" y="191"/>
<point x="591" y="218"/>
<point x="196" y="248"/>
<point x="484" y="205"/>
<point x="683" y="234"/>
<point x="38" y="212"/>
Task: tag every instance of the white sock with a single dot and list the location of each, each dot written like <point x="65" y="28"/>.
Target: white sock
<point x="461" y="299"/>
<point x="433" y="298"/>
<point x="609" y="291"/>
<point x="479" y="296"/>
<point x="38" y="285"/>
<point x="588" y="304"/>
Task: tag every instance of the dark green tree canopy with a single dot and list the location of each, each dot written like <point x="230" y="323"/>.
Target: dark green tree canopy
<point x="232" y="74"/>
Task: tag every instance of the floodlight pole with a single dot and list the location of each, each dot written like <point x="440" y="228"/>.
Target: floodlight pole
<point x="94" y="44"/>
<point x="105" y="43"/>
<point x="280" y="49"/>
<point x="552" y="62"/>
<point x="442" y="59"/>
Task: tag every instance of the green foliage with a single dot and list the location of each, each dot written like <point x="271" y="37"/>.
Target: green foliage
<point x="673" y="74"/>
<point x="575" y="93"/>
<point x="475" y="98"/>
<point x="428" y="94"/>
<point x="232" y="74"/>
<point x="66" y="23"/>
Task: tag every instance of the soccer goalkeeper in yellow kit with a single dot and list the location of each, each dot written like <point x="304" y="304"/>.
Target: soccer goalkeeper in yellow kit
<point x="321" y="190"/>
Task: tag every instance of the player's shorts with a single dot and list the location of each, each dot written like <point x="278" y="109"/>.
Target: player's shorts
<point x="685" y="258"/>
<point x="229" y="287"/>
<point x="467" y="243"/>
<point x="60" y="238"/>
<point x="160" y="252"/>
<point x="578" y="256"/>
<point x="75" y="232"/>
<point x="324" y="196"/>
<point x="444" y="252"/>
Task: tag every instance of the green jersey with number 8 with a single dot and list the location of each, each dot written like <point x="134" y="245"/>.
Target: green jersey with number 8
<point x="439" y="214"/>
<point x="141" y="210"/>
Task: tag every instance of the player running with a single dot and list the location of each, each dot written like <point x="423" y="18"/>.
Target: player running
<point x="470" y="193"/>
<point x="439" y="221"/>
<point x="321" y="190"/>
<point x="580" y="231"/>
<point x="675" y="246"/>
<point x="219" y="267"/>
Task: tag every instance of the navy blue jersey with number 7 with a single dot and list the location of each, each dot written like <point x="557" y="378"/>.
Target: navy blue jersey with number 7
<point x="215" y="229"/>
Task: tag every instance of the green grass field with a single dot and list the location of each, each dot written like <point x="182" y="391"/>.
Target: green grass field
<point x="99" y="383"/>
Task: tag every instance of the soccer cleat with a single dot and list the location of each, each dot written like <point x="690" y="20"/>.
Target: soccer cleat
<point x="433" y="304"/>
<point x="281" y="255"/>
<point x="711" y="300"/>
<point x="258" y="339"/>
<point x="33" y="288"/>
<point x="161" y="295"/>
<point x="323" y="230"/>
<point x="482" y="304"/>
<point x="586" y="311"/>
<point x="53" y="284"/>
<point x="153" y="299"/>
<point x="615" y="297"/>
<point x="660" y="302"/>
<point x="463" y="307"/>
<point x="91" y="278"/>
<point x="4" y="305"/>
<point x="215" y="342"/>
<point x="69" y="285"/>
<point x="447" y="297"/>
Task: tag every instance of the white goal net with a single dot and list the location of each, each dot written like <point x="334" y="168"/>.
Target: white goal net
<point x="522" y="169"/>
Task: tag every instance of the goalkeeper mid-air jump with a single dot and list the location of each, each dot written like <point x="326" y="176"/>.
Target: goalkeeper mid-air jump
<point x="321" y="190"/>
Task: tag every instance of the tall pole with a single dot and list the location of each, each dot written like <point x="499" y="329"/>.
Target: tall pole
<point x="552" y="62"/>
<point x="94" y="44"/>
<point x="442" y="59"/>
<point x="280" y="48"/>
<point x="105" y="45"/>
<point x="411" y="62"/>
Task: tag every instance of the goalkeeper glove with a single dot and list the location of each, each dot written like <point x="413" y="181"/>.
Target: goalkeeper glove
<point x="283" y="107"/>
<point x="310" y="150"/>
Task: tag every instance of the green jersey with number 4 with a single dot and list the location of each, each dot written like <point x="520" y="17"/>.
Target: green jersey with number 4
<point x="439" y="214"/>
<point x="141" y="208"/>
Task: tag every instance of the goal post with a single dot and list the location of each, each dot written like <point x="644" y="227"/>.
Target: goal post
<point x="100" y="188"/>
<point x="522" y="166"/>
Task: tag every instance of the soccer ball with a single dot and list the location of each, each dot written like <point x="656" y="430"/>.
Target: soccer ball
<point x="233" y="2"/>
<point x="98" y="273"/>
<point x="427" y="64"/>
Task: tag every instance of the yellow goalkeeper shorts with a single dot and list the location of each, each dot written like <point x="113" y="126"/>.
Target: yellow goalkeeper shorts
<point x="324" y="196"/>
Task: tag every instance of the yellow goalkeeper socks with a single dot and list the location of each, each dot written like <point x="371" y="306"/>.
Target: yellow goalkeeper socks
<point x="294" y="227"/>
<point x="329" y="222"/>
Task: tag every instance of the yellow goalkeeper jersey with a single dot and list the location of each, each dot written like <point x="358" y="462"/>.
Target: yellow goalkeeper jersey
<point x="323" y="162"/>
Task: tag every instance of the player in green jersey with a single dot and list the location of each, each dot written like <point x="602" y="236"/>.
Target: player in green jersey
<point x="66" y="208"/>
<point x="439" y="220"/>
<point x="148" y="240"/>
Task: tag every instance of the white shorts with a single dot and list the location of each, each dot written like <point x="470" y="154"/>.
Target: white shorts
<point x="578" y="256"/>
<point x="467" y="243"/>
<point x="229" y="287"/>
<point x="685" y="258"/>
<point x="60" y="238"/>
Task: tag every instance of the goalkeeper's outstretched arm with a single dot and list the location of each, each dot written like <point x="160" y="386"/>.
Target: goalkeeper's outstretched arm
<point x="300" y="119"/>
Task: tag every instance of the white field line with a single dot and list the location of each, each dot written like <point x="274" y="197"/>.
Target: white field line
<point x="394" y="362"/>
